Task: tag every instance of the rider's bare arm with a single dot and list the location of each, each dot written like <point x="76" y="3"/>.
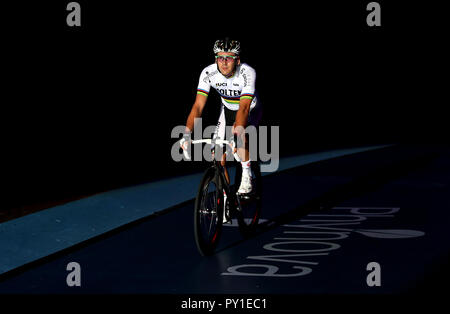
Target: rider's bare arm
<point x="240" y="124"/>
<point x="196" y="111"/>
<point x="242" y="114"/>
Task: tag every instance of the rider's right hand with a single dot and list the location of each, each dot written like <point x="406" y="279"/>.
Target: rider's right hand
<point x="185" y="141"/>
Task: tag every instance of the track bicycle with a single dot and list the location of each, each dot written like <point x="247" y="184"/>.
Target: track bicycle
<point x="218" y="202"/>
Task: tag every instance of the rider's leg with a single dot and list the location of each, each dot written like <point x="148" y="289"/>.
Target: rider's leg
<point x="244" y="152"/>
<point x="220" y="134"/>
<point x="226" y="217"/>
<point x="246" y="179"/>
<point x="223" y="162"/>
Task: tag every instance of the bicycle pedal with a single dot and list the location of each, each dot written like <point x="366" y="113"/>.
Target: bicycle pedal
<point x="226" y="220"/>
<point x="226" y="217"/>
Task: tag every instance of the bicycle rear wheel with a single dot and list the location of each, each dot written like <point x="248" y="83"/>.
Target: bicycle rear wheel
<point x="249" y="206"/>
<point x="208" y="213"/>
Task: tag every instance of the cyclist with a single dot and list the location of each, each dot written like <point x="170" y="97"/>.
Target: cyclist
<point x="235" y="83"/>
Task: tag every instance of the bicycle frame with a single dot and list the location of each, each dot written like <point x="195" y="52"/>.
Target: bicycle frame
<point x="218" y="174"/>
<point x="222" y="172"/>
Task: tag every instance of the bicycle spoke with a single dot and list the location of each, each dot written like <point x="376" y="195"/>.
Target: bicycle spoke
<point x="211" y="222"/>
<point x="208" y="213"/>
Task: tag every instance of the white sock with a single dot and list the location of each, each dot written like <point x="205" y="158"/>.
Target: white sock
<point x="246" y="167"/>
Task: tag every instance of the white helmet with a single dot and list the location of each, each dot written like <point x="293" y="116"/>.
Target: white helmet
<point x="227" y="45"/>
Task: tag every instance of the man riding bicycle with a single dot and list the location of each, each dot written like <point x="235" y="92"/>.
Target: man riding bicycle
<point x="235" y="83"/>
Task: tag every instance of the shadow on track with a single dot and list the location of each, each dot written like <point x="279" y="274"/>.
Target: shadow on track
<point x="361" y="184"/>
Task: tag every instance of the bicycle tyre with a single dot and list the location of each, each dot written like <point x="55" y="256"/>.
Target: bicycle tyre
<point x="250" y="212"/>
<point x="208" y="204"/>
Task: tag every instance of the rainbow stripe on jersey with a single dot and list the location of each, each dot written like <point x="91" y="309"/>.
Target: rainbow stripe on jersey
<point x="235" y="100"/>
<point x="202" y="92"/>
<point x="247" y="96"/>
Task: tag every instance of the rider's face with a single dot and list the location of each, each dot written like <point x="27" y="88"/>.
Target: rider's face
<point x="227" y="65"/>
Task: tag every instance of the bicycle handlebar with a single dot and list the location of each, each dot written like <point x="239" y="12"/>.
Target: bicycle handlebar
<point x="230" y="143"/>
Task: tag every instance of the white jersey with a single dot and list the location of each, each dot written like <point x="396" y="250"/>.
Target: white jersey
<point x="231" y="90"/>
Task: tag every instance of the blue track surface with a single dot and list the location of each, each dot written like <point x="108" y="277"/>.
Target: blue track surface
<point x="38" y="235"/>
<point x="324" y="223"/>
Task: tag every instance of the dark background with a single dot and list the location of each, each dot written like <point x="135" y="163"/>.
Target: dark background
<point x="89" y="109"/>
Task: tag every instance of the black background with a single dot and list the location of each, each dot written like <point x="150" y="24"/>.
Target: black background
<point x="91" y="108"/>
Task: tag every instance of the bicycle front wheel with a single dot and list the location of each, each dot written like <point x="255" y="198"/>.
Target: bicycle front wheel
<point x="208" y="213"/>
